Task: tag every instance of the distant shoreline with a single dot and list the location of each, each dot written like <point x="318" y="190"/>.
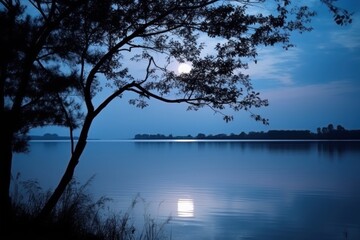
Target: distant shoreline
<point x="270" y="135"/>
<point x="323" y="134"/>
<point x="50" y="136"/>
<point x="53" y="137"/>
<point x="247" y="141"/>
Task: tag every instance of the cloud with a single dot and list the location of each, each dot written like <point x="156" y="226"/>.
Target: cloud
<point x="313" y="105"/>
<point x="330" y="92"/>
<point x="349" y="36"/>
<point x="344" y="36"/>
<point x="275" y="64"/>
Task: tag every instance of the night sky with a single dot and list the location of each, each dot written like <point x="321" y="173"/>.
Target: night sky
<point x="309" y="86"/>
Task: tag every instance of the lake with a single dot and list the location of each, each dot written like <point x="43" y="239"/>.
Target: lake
<point x="219" y="189"/>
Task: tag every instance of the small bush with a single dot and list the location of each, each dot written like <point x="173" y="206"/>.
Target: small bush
<point x="77" y="216"/>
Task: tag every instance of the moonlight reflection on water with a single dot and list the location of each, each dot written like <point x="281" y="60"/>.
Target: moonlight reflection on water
<point x="185" y="208"/>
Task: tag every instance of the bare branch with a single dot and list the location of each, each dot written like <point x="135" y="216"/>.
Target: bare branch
<point x="112" y="97"/>
<point x="8" y="4"/>
<point x="141" y="47"/>
<point x="69" y="122"/>
<point x="161" y="31"/>
<point x="145" y="93"/>
<point x="36" y="4"/>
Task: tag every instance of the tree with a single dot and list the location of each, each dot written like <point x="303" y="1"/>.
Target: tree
<point x="318" y="131"/>
<point x="34" y="89"/>
<point x="85" y="43"/>
<point x="201" y="136"/>
<point x="325" y="130"/>
<point x="340" y="128"/>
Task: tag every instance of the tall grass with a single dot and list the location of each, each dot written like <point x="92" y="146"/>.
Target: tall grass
<point x="77" y="216"/>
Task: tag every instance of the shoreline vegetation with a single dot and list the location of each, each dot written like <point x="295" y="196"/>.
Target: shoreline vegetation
<point x="50" y="136"/>
<point x="78" y="216"/>
<point x="325" y="133"/>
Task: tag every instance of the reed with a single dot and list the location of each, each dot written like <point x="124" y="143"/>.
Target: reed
<point x="77" y="216"/>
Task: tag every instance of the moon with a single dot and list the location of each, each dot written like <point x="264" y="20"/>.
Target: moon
<point x="184" y="68"/>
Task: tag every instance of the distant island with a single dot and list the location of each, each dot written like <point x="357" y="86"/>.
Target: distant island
<point x="325" y="133"/>
<point x="50" y="136"/>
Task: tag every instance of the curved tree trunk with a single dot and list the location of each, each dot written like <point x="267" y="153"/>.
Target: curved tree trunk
<point x="69" y="172"/>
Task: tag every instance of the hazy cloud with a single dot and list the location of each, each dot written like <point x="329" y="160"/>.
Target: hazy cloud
<point x="275" y="64"/>
<point x="349" y="36"/>
<point x="332" y="91"/>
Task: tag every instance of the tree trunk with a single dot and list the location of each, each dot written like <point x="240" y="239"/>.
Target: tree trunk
<point x="69" y="172"/>
<point x="5" y="178"/>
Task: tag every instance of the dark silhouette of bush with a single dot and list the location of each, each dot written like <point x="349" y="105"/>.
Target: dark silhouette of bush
<point x="78" y="216"/>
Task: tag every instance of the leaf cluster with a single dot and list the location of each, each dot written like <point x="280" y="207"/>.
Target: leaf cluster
<point x="36" y="89"/>
<point x="341" y="16"/>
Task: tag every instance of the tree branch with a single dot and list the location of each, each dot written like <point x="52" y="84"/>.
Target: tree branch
<point x="68" y="119"/>
<point x="146" y="93"/>
<point x="37" y="5"/>
<point x="112" y="97"/>
<point x="124" y="41"/>
<point x="7" y="4"/>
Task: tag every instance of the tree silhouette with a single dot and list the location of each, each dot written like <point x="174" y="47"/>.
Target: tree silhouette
<point x="34" y="89"/>
<point x="60" y="54"/>
<point x="340" y="128"/>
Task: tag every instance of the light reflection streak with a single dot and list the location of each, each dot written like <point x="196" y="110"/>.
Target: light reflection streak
<point x="185" y="207"/>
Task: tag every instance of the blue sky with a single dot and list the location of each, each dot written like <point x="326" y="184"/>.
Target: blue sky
<point x="309" y="86"/>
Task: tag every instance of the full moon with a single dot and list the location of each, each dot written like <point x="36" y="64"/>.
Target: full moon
<point x="184" y="68"/>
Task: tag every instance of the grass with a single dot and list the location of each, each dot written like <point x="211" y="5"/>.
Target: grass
<point x="77" y="216"/>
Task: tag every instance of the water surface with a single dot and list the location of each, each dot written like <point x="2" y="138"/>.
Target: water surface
<point x="220" y="190"/>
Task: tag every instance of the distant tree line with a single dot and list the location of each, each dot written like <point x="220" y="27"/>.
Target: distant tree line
<point x="50" y="136"/>
<point x="329" y="132"/>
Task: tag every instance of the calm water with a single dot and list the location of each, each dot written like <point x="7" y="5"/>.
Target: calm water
<point x="220" y="190"/>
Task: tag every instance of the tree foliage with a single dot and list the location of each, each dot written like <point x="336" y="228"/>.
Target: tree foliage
<point x="58" y="55"/>
<point x="35" y="88"/>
